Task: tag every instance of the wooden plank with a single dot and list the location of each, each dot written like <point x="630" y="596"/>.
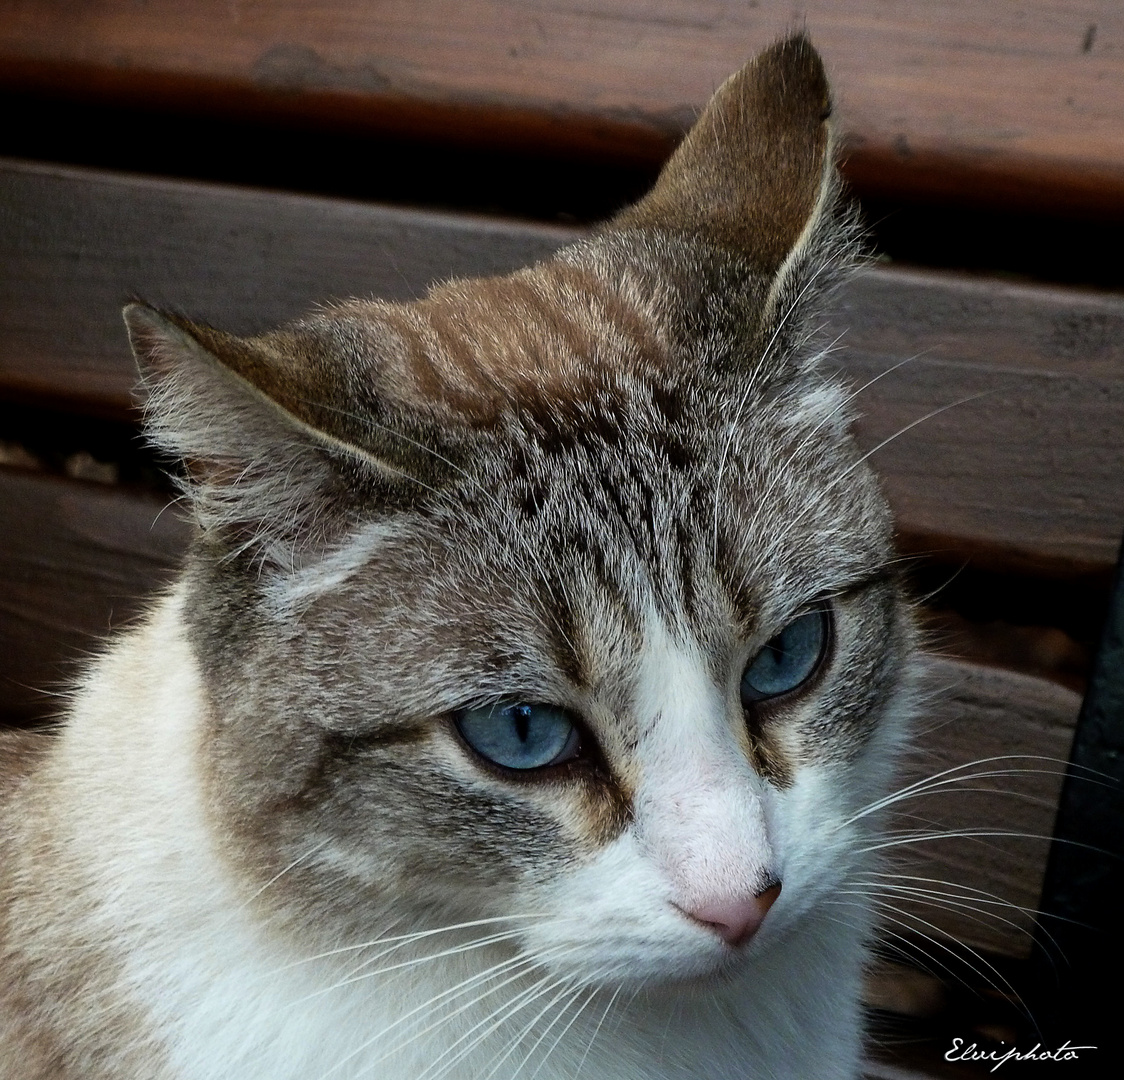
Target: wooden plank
<point x="1018" y="729"/>
<point x="76" y="245"/>
<point x="1007" y="102"/>
<point x="1030" y="474"/>
<point x="1017" y="392"/>
<point x="77" y="559"/>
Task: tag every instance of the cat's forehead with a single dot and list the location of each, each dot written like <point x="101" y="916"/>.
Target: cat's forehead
<point x="472" y="350"/>
<point x="567" y="536"/>
<point x="608" y="458"/>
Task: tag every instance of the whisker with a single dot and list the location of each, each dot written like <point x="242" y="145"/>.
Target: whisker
<point x="983" y="894"/>
<point x="593" y="991"/>
<point x="978" y="896"/>
<point x="525" y="997"/>
<point x="958" y="786"/>
<point x="889" y="799"/>
<point x="908" y="948"/>
<point x="941" y="903"/>
<point x="416" y="935"/>
<point x="973" y="952"/>
<point x="909" y="427"/>
<point x="281" y="873"/>
<point x="568" y="991"/>
<point x="766" y="555"/>
<point x="596" y="1031"/>
<point x="970" y="834"/>
<point x="450" y="992"/>
<point x="491" y="1024"/>
<point x="412" y="962"/>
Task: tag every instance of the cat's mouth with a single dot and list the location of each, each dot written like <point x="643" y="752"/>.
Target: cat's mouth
<point x="675" y="974"/>
<point x="682" y="956"/>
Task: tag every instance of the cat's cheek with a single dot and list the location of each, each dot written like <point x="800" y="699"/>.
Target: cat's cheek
<point x="864" y="690"/>
<point x="820" y="827"/>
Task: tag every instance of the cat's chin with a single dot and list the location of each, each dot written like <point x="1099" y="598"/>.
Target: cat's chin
<point x="675" y="978"/>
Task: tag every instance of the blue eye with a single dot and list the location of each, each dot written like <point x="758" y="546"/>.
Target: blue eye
<point x="788" y="660"/>
<point x="518" y="735"/>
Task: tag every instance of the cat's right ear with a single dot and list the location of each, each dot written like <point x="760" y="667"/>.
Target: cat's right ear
<point x="753" y="171"/>
<point x="264" y="478"/>
<point x="755" y="180"/>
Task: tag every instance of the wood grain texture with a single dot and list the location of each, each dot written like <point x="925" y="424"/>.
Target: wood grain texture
<point x="1027" y="470"/>
<point x="77" y="560"/>
<point x="77" y="245"/>
<point x="1018" y="730"/>
<point x="1017" y="394"/>
<point x="1021" y="102"/>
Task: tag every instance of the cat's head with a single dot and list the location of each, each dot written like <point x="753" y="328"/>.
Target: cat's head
<point x="565" y="597"/>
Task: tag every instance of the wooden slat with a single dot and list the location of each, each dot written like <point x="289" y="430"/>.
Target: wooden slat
<point x="76" y="560"/>
<point x="1019" y="102"/>
<point x="1019" y="729"/>
<point x="1031" y="473"/>
<point x="1017" y="393"/>
<point x="76" y="245"/>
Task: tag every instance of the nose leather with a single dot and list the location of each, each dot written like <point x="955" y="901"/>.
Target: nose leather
<point x="735" y="920"/>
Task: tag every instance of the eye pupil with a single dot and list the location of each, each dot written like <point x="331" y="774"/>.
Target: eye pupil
<point x="521" y="717"/>
<point x="787" y="660"/>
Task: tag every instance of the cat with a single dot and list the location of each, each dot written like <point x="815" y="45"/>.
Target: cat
<point x="522" y="701"/>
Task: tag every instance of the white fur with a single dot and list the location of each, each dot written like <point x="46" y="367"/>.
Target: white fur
<point x="332" y="569"/>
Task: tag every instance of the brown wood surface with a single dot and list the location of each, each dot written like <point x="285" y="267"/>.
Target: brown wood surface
<point x="1028" y="472"/>
<point x="77" y="559"/>
<point x="1018" y="730"/>
<point x="1021" y="101"/>
<point x="1017" y="393"/>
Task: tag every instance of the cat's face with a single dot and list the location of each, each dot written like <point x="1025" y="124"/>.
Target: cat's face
<point x="562" y="600"/>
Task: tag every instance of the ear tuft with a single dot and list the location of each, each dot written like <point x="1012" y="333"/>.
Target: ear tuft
<point x="147" y="329"/>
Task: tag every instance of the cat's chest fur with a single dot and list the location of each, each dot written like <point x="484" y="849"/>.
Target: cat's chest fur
<point x="524" y="702"/>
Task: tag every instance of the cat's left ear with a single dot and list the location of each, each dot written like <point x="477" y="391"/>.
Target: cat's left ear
<point x="280" y="457"/>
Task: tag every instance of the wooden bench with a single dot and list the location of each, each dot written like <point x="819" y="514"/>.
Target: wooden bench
<point x="994" y="408"/>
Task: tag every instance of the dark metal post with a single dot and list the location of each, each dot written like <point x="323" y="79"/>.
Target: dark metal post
<point x="1079" y="995"/>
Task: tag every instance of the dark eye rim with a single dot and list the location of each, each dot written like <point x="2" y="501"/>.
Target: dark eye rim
<point x="815" y="676"/>
<point x="587" y="756"/>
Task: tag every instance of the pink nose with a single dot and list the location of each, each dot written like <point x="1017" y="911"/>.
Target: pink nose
<point x="736" y="921"/>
